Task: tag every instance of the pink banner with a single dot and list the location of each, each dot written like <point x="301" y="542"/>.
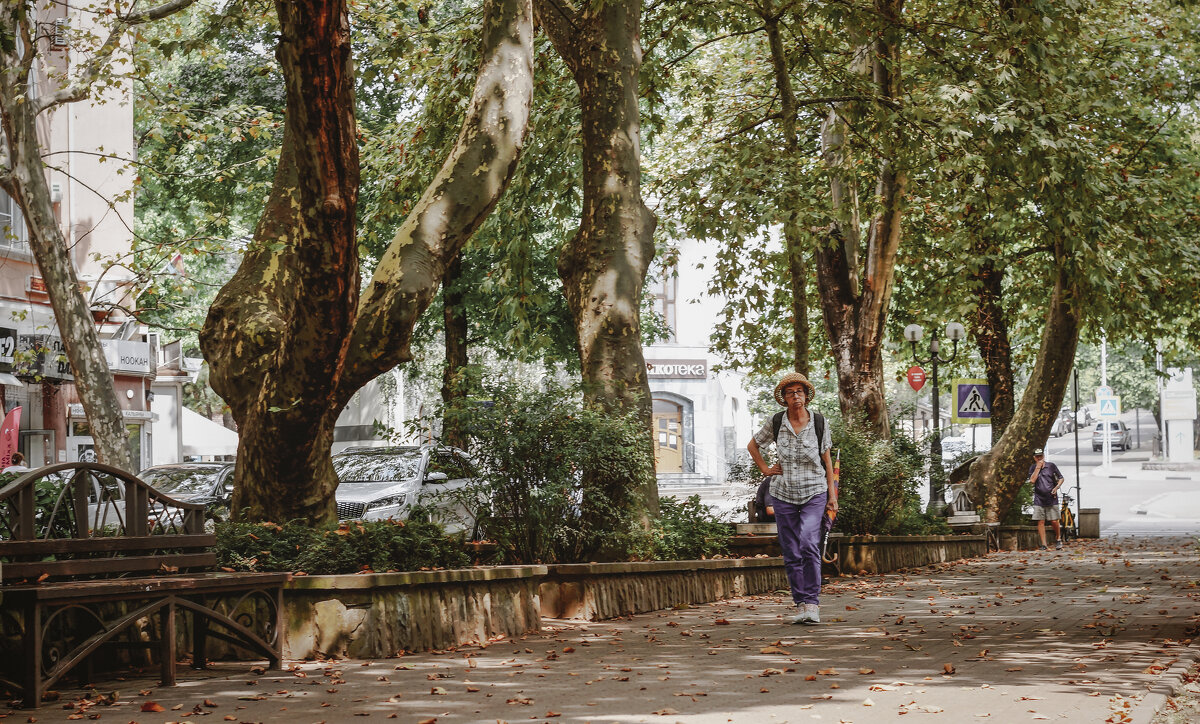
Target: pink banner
<point x="10" y="437"/>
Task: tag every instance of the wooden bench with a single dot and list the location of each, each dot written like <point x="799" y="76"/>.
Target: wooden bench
<point x="92" y="557"/>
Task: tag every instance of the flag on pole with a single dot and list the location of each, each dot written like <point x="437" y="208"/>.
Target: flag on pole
<point x="10" y="436"/>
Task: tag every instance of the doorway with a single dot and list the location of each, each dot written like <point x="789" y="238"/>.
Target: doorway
<point x="668" y="436"/>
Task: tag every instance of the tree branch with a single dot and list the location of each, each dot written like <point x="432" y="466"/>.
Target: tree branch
<point x="96" y="65"/>
<point x="710" y="41"/>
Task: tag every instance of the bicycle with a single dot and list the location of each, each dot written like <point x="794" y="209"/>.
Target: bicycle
<point x="1066" y="519"/>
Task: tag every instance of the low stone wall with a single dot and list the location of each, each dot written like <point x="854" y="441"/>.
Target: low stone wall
<point x="1018" y="537"/>
<point x="379" y="614"/>
<point x="596" y="591"/>
<point x="886" y="553"/>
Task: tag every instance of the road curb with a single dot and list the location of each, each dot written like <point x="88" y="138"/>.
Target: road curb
<point x="1169" y="685"/>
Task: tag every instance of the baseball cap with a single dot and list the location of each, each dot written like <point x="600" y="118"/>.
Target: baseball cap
<point x="1039" y="451"/>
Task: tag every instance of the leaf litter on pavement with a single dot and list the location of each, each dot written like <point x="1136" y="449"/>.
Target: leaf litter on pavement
<point x="1005" y="633"/>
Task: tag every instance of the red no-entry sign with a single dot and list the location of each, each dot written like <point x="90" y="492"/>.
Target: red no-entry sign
<point x="916" y="378"/>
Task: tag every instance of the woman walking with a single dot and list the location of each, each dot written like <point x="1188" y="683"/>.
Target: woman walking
<point x="802" y="489"/>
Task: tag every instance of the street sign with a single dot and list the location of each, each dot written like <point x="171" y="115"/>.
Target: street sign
<point x="972" y="402"/>
<point x="1103" y="391"/>
<point x="1110" y="407"/>
<point x="916" y="378"/>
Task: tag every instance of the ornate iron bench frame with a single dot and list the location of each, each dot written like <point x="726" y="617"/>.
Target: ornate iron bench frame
<point x="151" y="544"/>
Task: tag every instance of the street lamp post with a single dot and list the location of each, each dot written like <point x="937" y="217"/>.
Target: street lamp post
<point x="913" y="333"/>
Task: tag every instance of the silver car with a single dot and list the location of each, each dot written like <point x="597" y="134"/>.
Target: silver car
<point x="1119" y="435"/>
<point x="381" y="483"/>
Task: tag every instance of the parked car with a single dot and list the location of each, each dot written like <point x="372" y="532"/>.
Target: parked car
<point x="207" y="483"/>
<point x="381" y="483"/>
<point x="1063" y="424"/>
<point x="1119" y="435"/>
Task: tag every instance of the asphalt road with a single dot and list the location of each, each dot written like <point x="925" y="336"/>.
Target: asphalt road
<point x="1132" y="501"/>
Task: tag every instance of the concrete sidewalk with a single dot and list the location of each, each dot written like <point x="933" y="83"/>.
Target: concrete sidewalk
<point x="1078" y="635"/>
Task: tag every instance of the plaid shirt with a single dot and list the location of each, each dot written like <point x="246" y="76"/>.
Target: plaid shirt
<point x="803" y="475"/>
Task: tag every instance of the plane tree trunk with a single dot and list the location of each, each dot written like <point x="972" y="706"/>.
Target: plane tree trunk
<point x="793" y="238"/>
<point x="854" y="301"/>
<point x="997" y="476"/>
<point x="276" y="335"/>
<point x="603" y="266"/>
<point x="288" y="339"/>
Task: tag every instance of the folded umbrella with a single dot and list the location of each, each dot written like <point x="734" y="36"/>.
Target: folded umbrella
<point x="830" y="515"/>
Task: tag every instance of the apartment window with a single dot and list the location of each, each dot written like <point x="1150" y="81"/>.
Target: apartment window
<point x="665" y="292"/>
<point x="12" y="224"/>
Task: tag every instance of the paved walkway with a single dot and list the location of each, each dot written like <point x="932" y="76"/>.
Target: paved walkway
<point x="1074" y="636"/>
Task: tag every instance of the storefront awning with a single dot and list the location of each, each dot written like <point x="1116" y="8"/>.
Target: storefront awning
<point x="7" y="378"/>
<point x="203" y="437"/>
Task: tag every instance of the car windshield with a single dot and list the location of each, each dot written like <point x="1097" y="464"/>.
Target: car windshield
<point x="375" y="466"/>
<point x="1111" y="426"/>
<point x="182" y="481"/>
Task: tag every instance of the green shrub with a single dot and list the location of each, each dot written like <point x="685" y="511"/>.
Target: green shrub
<point x="559" y="476"/>
<point x="686" y="530"/>
<point x="347" y="548"/>
<point x="878" y="482"/>
<point x="1016" y="514"/>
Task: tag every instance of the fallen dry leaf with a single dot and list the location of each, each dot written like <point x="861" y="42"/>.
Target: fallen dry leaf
<point x="152" y="706"/>
<point x="948" y="668"/>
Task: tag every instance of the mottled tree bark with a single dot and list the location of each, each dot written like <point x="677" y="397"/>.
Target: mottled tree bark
<point x="603" y="266"/>
<point x="793" y="239"/>
<point x="997" y="476"/>
<point x="855" y="310"/>
<point x="991" y="337"/>
<point x="459" y="199"/>
<point x="454" y="318"/>
<point x="288" y="339"/>
<point x="276" y="335"/>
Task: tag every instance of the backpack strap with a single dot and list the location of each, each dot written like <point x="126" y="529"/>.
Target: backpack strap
<point x="818" y="425"/>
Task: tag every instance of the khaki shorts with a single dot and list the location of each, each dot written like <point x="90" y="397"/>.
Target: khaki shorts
<point x="1046" y="512"/>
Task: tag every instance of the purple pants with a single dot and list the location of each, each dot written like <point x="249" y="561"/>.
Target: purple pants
<point x="799" y="529"/>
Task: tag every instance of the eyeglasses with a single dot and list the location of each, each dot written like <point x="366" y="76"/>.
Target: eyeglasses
<point x="793" y="393"/>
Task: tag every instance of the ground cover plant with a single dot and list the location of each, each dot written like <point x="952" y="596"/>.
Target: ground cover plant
<point x="349" y="547"/>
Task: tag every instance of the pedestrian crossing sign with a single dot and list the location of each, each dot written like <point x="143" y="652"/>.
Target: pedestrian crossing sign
<point x="1110" y="407"/>
<point x="972" y="402"/>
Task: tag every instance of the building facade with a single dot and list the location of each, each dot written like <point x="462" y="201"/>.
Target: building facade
<point x="87" y="144"/>
<point x="701" y="421"/>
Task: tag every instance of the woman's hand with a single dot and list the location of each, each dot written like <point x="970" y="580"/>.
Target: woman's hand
<point x="776" y="469"/>
<point x="831" y="505"/>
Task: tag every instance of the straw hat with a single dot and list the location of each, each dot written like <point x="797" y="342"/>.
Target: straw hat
<point x="792" y="378"/>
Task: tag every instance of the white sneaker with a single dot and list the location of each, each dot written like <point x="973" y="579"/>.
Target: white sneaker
<point x="812" y="614"/>
<point x="801" y="617"/>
